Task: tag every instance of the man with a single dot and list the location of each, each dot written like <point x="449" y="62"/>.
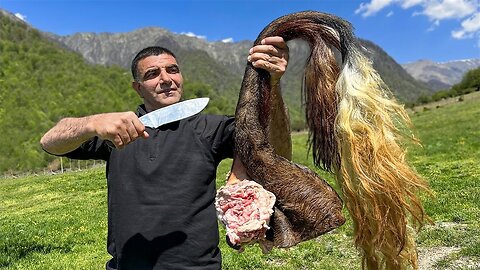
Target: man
<point x="161" y="182"/>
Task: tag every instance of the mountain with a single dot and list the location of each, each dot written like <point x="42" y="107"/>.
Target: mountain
<point x="221" y="60"/>
<point x="402" y="84"/>
<point x="42" y="81"/>
<point x="439" y="76"/>
<point x="44" y="77"/>
<point x="120" y="48"/>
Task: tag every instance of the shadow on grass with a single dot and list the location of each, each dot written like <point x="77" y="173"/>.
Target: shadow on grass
<point x="15" y="251"/>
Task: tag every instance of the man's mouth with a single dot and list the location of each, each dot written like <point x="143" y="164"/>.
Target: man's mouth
<point x="166" y="91"/>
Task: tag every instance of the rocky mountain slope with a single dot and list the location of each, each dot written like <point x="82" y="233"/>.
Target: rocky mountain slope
<point x="440" y="76"/>
<point x="227" y="59"/>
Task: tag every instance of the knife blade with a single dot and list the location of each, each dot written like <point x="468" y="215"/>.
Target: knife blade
<point x="174" y="112"/>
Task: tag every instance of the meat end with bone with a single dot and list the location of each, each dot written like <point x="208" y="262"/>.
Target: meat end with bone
<point x="245" y="209"/>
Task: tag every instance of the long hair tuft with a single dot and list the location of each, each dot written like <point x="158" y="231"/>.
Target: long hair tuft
<point x="377" y="183"/>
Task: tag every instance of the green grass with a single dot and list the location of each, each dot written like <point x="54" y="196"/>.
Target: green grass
<point x="59" y="221"/>
<point x="450" y="160"/>
<point x="53" y="222"/>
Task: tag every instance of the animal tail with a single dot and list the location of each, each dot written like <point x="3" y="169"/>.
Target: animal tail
<point x="356" y="128"/>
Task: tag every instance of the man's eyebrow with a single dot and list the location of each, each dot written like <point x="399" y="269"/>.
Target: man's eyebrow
<point x="157" y="68"/>
<point x="151" y="69"/>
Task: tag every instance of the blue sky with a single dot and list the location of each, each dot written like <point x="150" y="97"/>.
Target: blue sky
<point x="408" y="30"/>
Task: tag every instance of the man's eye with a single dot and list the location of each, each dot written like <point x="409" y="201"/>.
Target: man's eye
<point x="151" y="74"/>
<point x="173" y="69"/>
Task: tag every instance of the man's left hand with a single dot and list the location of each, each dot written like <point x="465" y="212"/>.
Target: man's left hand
<point x="271" y="55"/>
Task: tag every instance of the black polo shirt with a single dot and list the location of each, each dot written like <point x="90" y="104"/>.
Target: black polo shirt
<point x="161" y="193"/>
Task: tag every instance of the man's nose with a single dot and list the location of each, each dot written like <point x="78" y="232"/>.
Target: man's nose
<point x="164" y="77"/>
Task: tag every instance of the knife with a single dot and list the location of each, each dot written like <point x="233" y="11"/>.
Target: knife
<point x="174" y="112"/>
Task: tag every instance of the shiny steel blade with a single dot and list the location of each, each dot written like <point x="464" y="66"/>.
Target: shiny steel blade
<point x="174" y="112"/>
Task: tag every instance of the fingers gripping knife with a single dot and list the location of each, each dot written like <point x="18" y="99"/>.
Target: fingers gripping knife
<point x="172" y="113"/>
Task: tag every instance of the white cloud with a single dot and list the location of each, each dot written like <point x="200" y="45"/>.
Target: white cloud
<point x="410" y="3"/>
<point x="227" y="40"/>
<point x="470" y="26"/>
<point x="390" y="14"/>
<point x="21" y="17"/>
<point x="448" y="9"/>
<point x="190" y="34"/>
<point x="435" y="11"/>
<point x="373" y="7"/>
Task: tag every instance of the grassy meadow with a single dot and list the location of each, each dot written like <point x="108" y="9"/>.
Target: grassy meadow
<point x="60" y="221"/>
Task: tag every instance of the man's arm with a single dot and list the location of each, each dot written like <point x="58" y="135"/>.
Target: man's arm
<point x="69" y="133"/>
<point x="238" y="172"/>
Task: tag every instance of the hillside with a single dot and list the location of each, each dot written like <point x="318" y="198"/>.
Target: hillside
<point x="41" y="81"/>
<point x="439" y="76"/>
<point x="402" y="84"/>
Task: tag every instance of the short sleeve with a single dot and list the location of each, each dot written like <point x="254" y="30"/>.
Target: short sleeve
<point x="223" y="141"/>
<point x="218" y="132"/>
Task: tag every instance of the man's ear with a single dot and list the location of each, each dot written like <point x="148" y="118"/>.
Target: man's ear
<point x="136" y="86"/>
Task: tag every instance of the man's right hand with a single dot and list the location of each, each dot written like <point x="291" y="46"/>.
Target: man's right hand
<point x="120" y="128"/>
<point x="68" y="134"/>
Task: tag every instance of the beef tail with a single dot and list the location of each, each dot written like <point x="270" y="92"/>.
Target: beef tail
<point x="355" y="131"/>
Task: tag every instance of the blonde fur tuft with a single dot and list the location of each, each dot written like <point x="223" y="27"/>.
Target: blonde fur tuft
<point x="377" y="183"/>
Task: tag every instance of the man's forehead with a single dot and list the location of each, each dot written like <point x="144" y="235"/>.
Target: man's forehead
<point x="156" y="61"/>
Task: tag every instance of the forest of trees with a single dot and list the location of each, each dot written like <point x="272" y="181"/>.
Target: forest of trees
<point x="42" y="82"/>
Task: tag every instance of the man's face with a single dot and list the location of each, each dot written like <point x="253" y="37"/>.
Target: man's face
<point x="160" y="81"/>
